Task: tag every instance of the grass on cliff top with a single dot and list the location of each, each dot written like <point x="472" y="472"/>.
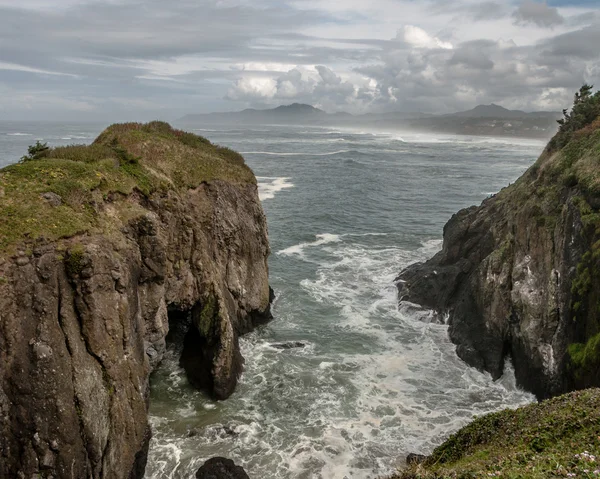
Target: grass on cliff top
<point x="571" y="161"/>
<point x="553" y="439"/>
<point x="125" y="158"/>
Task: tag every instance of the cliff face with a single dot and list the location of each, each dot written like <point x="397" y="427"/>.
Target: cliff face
<point x="161" y="231"/>
<point x="518" y="276"/>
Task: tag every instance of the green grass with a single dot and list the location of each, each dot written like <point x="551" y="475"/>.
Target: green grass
<point x="539" y="441"/>
<point x="585" y="358"/>
<point x="126" y="158"/>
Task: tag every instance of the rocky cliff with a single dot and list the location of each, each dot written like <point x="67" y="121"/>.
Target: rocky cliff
<point x="519" y="276"/>
<point x="103" y="250"/>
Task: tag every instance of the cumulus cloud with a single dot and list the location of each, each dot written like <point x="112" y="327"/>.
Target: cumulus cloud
<point x="537" y="13"/>
<point x="419" y="38"/>
<point x="318" y="85"/>
<point x="250" y="88"/>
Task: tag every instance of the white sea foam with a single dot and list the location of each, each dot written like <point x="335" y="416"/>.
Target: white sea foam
<point x="18" y="134"/>
<point x="314" y="412"/>
<point x="269" y="186"/>
<point x="374" y="382"/>
<point x="272" y="153"/>
<point x="321" y="239"/>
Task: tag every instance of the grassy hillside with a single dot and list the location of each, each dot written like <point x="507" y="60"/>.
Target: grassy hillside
<point x="556" y="438"/>
<point x="63" y="191"/>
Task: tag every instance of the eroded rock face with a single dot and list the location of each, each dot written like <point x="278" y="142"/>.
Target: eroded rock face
<point x="503" y="281"/>
<point x="83" y="322"/>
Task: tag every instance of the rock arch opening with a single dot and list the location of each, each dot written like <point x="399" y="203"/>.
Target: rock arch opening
<point x="184" y="341"/>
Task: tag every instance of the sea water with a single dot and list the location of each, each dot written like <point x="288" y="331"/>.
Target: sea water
<point x="347" y="210"/>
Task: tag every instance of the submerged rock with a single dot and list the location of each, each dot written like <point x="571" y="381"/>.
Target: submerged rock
<point x="289" y="345"/>
<point x="164" y="231"/>
<point x="221" y="468"/>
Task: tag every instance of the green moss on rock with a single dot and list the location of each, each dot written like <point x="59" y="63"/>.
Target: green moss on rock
<point x="208" y="315"/>
<point x="126" y="158"/>
<point x="74" y="262"/>
<point x="585" y="358"/>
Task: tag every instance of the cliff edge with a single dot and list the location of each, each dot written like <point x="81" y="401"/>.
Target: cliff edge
<point x="103" y="250"/>
<point x="519" y="276"/>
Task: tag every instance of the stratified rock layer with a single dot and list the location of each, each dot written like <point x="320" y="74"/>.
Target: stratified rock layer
<point x="83" y="320"/>
<point x="519" y="276"/>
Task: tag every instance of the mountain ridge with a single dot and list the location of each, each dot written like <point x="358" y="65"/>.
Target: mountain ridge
<point x="492" y="120"/>
<point x="480" y="111"/>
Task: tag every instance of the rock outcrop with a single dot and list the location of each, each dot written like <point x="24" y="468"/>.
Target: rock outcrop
<point x="221" y="468"/>
<point x="146" y="230"/>
<point x="519" y="276"/>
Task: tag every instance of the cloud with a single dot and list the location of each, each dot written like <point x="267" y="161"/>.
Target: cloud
<point x="540" y="14"/>
<point x="318" y="85"/>
<point x="579" y="44"/>
<point x="115" y="60"/>
<point x="251" y="88"/>
<point x="476" y="54"/>
<point x="419" y="38"/>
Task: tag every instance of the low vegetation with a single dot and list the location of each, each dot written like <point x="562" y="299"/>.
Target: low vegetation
<point x="585" y="110"/>
<point x="553" y="439"/>
<point x="60" y="192"/>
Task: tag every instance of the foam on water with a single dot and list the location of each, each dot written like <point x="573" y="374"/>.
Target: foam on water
<point x="298" y="249"/>
<point x="304" y="154"/>
<point x="326" y="412"/>
<point x="268" y="186"/>
<point x="361" y="382"/>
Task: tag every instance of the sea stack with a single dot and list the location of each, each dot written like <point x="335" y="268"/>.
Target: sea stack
<point x="103" y="248"/>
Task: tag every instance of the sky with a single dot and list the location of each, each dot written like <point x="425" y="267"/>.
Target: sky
<point x="122" y="60"/>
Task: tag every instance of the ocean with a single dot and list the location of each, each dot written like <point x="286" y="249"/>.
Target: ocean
<point x="370" y="382"/>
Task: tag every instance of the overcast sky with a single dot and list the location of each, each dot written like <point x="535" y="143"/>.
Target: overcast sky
<point x="144" y="59"/>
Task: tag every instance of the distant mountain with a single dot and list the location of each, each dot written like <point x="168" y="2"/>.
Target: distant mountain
<point x="297" y="109"/>
<point x="299" y="113"/>
<point x="482" y="120"/>
<point x="294" y="113"/>
<point x="499" y="112"/>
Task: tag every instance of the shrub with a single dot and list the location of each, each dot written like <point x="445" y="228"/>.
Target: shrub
<point x="585" y="110"/>
<point x="35" y="152"/>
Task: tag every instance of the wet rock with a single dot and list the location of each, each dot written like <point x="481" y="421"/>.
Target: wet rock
<point x="221" y="468"/>
<point x="503" y="279"/>
<point x="413" y="458"/>
<point x="289" y="345"/>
